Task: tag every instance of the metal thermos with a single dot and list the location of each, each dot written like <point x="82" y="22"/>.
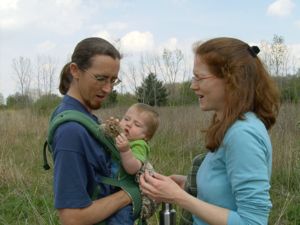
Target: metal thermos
<point x="167" y="214"/>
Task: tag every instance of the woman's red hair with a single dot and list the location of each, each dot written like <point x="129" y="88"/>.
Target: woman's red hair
<point x="249" y="87"/>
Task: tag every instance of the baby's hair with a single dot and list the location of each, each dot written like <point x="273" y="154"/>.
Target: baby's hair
<point x="152" y="122"/>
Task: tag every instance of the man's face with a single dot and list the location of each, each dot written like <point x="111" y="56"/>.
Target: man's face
<point x="95" y="83"/>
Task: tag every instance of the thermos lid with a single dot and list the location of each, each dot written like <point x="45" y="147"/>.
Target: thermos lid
<point x="166" y="206"/>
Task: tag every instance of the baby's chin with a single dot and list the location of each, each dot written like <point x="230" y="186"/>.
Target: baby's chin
<point x="131" y="139"/>
<point x="134" y="139"/>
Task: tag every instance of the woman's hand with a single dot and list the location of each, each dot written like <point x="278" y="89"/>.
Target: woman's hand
<point x="179" y="179"/>
<point x="160" y="188"/>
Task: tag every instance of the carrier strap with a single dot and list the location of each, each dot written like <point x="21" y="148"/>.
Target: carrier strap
<point x="92" y="127"/>
<point x="127" y="183"/>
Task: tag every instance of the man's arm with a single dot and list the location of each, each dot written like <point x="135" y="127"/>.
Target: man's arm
<point x="98" y="211"/>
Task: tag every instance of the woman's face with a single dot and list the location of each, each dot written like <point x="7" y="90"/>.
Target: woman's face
<point x="87" y="89"/>
<point x="209" y="88"/>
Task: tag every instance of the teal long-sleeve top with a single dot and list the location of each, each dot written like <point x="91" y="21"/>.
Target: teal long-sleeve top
<point x="237" y="175"/>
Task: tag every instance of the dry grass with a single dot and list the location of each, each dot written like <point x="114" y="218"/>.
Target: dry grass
<point x="26" y="189"/>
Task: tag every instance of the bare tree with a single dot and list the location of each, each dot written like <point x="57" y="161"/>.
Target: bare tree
<point x="171" y="67"/>
<point x="187" y="70"/>
<point x="279" y="55"/>
<point x="276" y="56"/>
<point x="132" y="75"/>
<point x="172" y="61"/>
<point x="46" y="67"/>
<point x="22" y="69"/>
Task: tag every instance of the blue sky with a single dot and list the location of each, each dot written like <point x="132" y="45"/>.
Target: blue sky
<point x="30" y="28"/>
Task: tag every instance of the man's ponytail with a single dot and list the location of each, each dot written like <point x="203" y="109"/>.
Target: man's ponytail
<point x="65" y="79"/>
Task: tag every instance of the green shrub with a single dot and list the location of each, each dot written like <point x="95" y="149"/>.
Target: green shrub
<point x="126" y="99"/>
<point x="18" y="101"/>
<point x="46" y="104"/>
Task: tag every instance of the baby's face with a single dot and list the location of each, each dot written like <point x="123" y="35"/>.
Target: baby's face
<point x="133" y="124"/>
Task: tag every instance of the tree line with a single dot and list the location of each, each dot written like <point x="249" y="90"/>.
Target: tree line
<point x="157" y="80"/>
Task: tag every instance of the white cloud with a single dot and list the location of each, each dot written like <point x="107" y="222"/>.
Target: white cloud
<point x="46" y="46"/>
<point x="106" y="30"/>
<point x="117" y="26"/>
<point x="295" y="52"/>
<point x="8" y="23"/>
<point x="295" y="49"/>
<point x="10" y="15"/>
<point x="67" y="3"/>
<point x="281" y="8"/>
<point x="105" y="35"/>
<point x="62" y="17"/>
<point x="8" y="4"/>
<point x="136" y="41"/>
<point x="297" y="23"/>
<point x="171" y="44"/>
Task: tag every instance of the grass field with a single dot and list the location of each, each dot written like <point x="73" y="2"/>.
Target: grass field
<point x="26" y="189"/>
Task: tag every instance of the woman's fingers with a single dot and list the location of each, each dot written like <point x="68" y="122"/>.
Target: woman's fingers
<point x="153" y="185"/>
<point x="145" y="186"/>
<point x="179" y="179"/>
<point x="160" y="187"/>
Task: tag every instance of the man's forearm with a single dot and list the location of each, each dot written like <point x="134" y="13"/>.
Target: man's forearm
<point x="98" y="211"/>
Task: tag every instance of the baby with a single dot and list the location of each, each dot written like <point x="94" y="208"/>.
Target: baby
<point x="132" y="134"/>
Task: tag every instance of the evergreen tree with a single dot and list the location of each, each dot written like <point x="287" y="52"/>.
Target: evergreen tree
<point x="152" y="91"/>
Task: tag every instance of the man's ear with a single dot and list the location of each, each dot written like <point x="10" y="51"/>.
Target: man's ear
<point x="75" y="71"/>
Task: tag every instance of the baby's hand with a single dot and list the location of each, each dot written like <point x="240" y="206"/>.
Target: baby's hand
<point x="122" y="143"/>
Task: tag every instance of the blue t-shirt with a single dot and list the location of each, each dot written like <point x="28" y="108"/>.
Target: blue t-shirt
<point x="237" y="175"/>
<point x="79" y="161"/>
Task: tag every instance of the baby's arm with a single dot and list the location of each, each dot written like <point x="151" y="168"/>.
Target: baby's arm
<point x="129" y="162"/>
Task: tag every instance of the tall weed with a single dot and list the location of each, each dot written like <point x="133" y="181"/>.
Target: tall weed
<point x="26" y="189"/>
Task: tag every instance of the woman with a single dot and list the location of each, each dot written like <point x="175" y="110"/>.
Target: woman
<point x="79" y="159"/>
<point x="233" y="181"/>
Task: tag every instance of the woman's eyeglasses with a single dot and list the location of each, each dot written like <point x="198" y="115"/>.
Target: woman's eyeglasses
<point x="198" y="79"/>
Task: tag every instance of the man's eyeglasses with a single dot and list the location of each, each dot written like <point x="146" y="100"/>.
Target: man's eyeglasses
<point x="104" y="79"/>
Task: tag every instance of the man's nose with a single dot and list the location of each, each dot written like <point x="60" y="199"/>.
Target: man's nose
<point x="107" y="87"/>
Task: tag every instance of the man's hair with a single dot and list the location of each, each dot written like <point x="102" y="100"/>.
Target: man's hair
<point x="84" y="51"/>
